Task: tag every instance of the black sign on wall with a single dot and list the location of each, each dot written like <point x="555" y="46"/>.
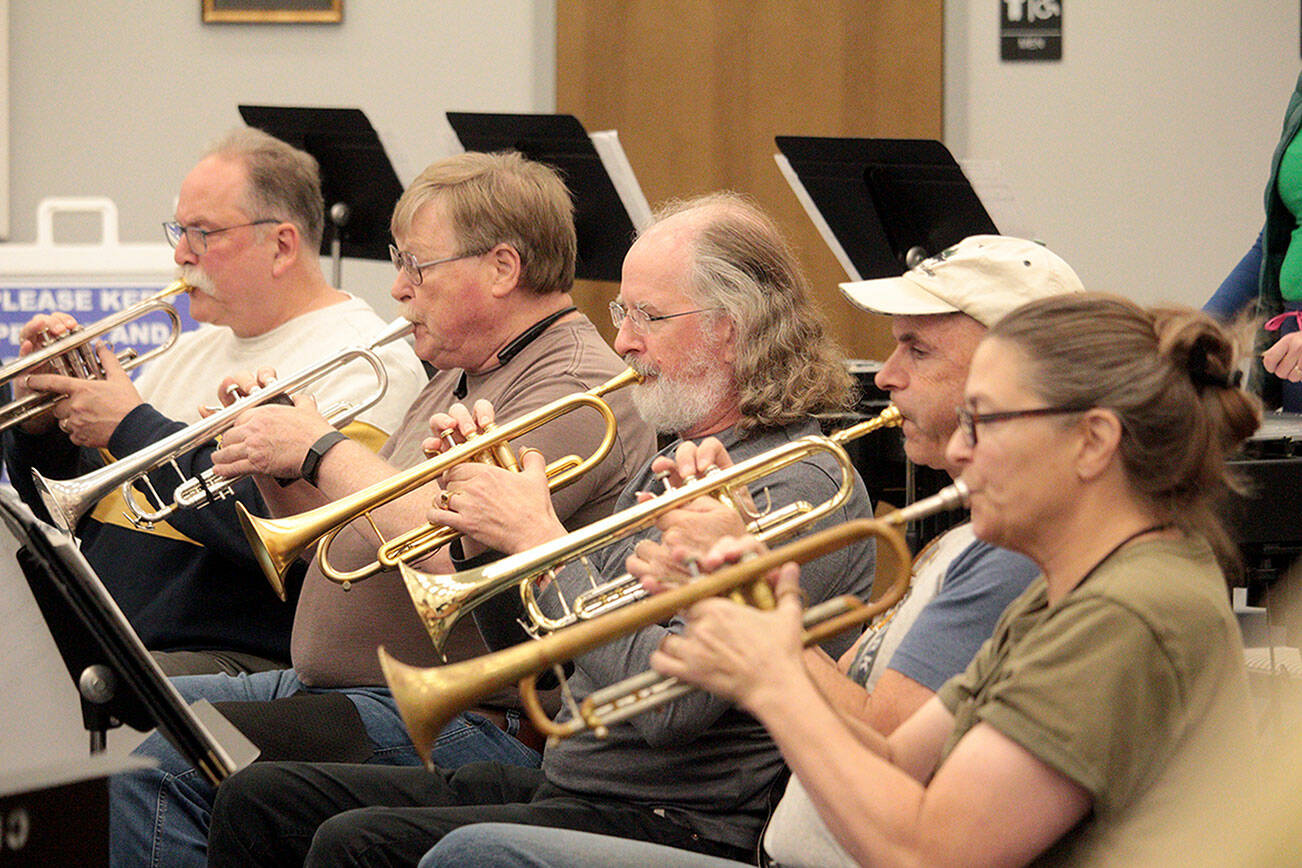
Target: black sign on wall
<point x="1030" y="29"/>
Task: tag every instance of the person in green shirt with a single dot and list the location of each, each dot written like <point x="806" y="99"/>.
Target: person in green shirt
<point x="1107" y="720"/>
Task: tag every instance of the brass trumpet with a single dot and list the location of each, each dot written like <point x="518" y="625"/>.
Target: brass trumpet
<point x="73" y="355"/>
<point x="442" y="600"/>
<point x="277" y="543"/>
<point x="428" y="698"/>
<point x="67" y="500"/>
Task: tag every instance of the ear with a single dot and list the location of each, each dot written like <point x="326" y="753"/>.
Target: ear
<point x="505" y="263"/>
<point x="288" y="243"/>
<point x="726" y="330"/>
<point x="1100" y="438"/>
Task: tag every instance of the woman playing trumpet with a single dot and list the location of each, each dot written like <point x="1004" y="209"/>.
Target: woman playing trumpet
<point x="1107" y="719"/>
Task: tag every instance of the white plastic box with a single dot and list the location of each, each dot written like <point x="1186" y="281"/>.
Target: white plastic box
<point x="89" y="281"/>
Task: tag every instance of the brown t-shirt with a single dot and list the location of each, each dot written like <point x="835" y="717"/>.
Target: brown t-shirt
<point x="336" y="632"/>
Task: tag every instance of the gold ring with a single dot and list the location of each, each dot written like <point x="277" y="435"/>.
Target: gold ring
<point x="63" y="425"/>
<point x="445" y="498"/>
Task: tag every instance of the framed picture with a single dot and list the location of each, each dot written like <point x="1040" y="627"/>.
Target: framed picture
<point x="273" y="11"/>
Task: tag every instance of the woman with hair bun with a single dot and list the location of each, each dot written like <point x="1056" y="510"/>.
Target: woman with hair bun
<point x="1107" y="720"/>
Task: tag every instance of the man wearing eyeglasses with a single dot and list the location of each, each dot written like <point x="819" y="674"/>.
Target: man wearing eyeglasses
<point x="714" y="312"/>
<point x="939" y="312"/>
<point x="484" y="249"/>
<point x="247" y="232"/>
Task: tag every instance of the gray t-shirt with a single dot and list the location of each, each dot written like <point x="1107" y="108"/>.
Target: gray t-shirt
<point x="336" y="632"/>
<point x="700" y="760"/>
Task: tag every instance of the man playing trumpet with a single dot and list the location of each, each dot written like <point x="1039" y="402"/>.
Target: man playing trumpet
<point x="485" y="251"/>
<point x="713" y="310"/>
<point x="940" y="310"/>
<point x="247" y="232"/>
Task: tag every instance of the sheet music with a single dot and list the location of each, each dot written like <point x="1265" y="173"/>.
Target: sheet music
<point x="784" y="166"/>
<point x="621" y="174"/>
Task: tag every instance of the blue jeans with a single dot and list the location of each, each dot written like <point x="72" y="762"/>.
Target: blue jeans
<point x="509" y="845"/>
<point x="159" y="817"/>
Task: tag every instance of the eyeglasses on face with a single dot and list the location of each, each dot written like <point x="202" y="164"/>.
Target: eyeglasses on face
<point x="968" y="421"/>
<point x="198" y="238"/>
<point x="642" y="320"/>
<point x="408" y="265"/>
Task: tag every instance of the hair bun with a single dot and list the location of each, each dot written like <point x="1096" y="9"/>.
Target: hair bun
<point x="1205" y="370"/>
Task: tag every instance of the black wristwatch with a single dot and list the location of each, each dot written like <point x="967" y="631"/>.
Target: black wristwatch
<point x="317" y="451"/>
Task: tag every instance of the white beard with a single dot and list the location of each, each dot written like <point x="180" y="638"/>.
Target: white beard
<point x="672" y="405"/>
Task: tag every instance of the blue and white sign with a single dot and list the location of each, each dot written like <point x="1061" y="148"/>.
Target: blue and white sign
<point x="89" y="304"/>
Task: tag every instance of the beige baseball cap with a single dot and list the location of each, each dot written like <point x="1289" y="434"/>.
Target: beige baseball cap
<point x="983" y="276"/>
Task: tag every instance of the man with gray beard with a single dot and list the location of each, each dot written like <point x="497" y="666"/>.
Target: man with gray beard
<point x="247" y="232"/>
<point x="713" y="310"/>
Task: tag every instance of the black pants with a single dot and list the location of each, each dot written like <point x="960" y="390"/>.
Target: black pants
<point x="342" y="814"/>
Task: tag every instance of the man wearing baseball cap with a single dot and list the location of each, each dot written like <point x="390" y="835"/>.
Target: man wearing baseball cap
<point x="940" y="309"/>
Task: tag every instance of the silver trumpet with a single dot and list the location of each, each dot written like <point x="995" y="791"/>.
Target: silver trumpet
<point x="67" y="500"/>
<point x="73" y="355"/>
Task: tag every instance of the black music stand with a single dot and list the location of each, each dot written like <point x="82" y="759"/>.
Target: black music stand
<point x="601" y="218"/>
<point x="357" y="180"/>
<point x="119" y="683"/>
<point x="882" y="205"/>
<point x="886" y="202"/>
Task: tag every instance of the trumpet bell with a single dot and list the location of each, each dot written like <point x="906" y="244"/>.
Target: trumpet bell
<point x="277" y="549"/>
<point x="66" y="500"/>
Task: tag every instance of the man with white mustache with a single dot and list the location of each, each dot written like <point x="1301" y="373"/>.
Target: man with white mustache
<point x="485" y="249"/>
<point x="713" y="309"/>
<point x="247" y="232"/>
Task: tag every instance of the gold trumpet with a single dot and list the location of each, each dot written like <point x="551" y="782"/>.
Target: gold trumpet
<point x="277" y="543"/>
<point x="73" y="355"/>
<point x="428" y="698"/>
<point x="443" y="599"/>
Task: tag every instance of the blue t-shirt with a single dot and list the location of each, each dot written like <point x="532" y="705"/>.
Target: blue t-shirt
<point x="978" y="585"/>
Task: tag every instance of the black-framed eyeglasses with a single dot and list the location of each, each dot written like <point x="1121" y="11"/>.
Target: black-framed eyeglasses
<point x="198" y="238"/>
<point x="968" y="421"/>
<point x="407" y="264"/>
<point x="642" y="320"/>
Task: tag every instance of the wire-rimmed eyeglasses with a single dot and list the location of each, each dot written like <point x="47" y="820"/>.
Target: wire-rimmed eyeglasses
<point x="406" y="262"/>
<point x="642" y="320"/>
<point x="198" y="238"/>
<point x="968" y="421"/>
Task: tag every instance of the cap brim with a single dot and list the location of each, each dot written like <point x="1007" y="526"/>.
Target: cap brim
<point x="895" y="296"/>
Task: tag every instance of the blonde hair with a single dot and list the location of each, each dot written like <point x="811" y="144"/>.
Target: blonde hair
<point x="787" y="366"/>
<point x="501" y="199"/>
<point x="1168" y="373"/>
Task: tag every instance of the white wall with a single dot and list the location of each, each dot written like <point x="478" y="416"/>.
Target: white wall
<point x="118" y="99"/>
<point x="1142" y="155"/>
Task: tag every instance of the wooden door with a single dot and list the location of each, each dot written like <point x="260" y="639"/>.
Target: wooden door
<point x="699" y="88"/>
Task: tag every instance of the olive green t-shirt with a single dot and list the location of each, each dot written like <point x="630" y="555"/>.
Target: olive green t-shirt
<point x="1134" y="687"/>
